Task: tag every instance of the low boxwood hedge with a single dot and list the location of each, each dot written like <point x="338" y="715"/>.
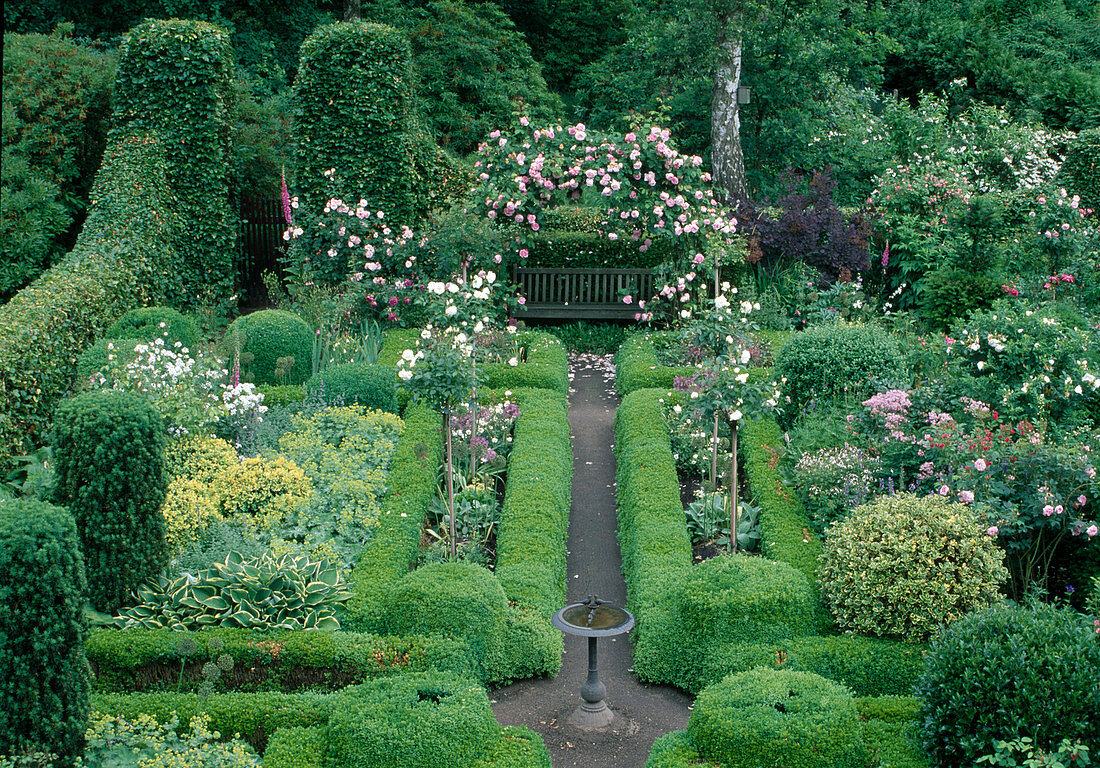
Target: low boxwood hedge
<point x="636" y="367"/>
<point x="134" y="660"/>
<point x="530" y="543"/>
<point x="668" y="647"/>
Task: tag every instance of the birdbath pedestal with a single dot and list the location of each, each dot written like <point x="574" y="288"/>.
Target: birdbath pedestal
<point x="593" y="619"/>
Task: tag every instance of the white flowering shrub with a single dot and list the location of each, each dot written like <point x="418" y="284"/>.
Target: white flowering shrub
<point x="192" y="391"/>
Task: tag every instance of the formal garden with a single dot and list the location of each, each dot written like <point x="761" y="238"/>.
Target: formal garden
<point x="318" y="511"/>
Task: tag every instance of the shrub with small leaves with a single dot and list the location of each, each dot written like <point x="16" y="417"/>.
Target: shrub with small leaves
<point x="778" y="717"/>
<point x="1007" y="672"/>
<point x="110" y="472"/>
<point x="267" y="336"/>
<point x="44" y="677"/>
<point x="905" y="566"/>
<point x="260" y="491"/>
<point x="149" y="323"/>
<point x="290" y="592"/>
<point x="199" y="458"/>
<point x="827" y="361"/>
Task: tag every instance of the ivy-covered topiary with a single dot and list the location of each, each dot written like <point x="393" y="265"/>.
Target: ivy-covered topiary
<point x="829" y="360"/>
<point x="110" y="472"/>
<point x="372" y="386"/>
<point x="424" y="720"/>
<point x="1007" y="672"/>
<point x="905" y="566"/>
<point x="265" y="338"/>
<point x="44" y="677"/>
<point x="149" y="323"/>
<point x="775" y="717"/>
<point x="354" y="98"/>
<point x="125" y="249"/>
<point x="175" y="79"/>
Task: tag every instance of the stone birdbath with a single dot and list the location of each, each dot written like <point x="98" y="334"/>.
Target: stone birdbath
<point x="593" y="619"/>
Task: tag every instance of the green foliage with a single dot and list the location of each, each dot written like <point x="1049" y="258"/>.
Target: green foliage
<point x="828" y="361"/>
<point x="1007" y="672"/>
<point x="124" y="245"/>
<point x="905" y="566"/>
<point x="412" y="486"/>
<point x="149" y="323"/>
<point x="110" y="473"/>
<point x="597" y="338"/>
<point x="1080" y="173"/>
<point x="474" y="70"/>
<point x="545" y="366"/>
<point x="115" y="742"/>
<point x="260" y="492"/>
<point x="430" y="720"/>
<point x="140" y="659"/>
<point x="953" y="293"/>
<point x="652" y="534"/>
<point x="296" y="747"/>
<point x="345" y="452"/>
<point x="44" y="677"/>
<point x="33" y="218"/>
<point x="268" y="336"/>
<point x="371" y="386"/>
<point x="291" y="592"/>
<point x="281" y="395"/>
<point x="103" y="355"/>
<point x="353" y="93"/>
<point x="675" y="750"/>
<point x="456" y="600"/>
<point x="590" y="249"/>
<point x="198" y="458"/>
<point x="56" y="102"/>
<point x="531" y="538"/>
<point x="174" y="80"/>
<point x="1069" y="753"/>
<point x="517" y="747"/>
<point x="255" y="716"/>
<point x="764" y="717"/>
<point x="725" y="602"/>
<point x="636" y="367"/>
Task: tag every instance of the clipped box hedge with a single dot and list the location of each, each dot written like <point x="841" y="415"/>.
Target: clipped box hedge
<point x="136" y="660"/>
<point x="398" y="719"/>
<point x="124" y="249"/>
<point x="508" y="626"/>
<point x="670" y="646"/>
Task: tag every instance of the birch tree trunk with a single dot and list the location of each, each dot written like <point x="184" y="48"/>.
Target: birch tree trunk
<point x="725" y="117"/>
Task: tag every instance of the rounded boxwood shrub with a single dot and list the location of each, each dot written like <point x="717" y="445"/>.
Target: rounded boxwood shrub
<point x="372" y="386"/>
<point x="44" y="677"/>
<point x="828" y="360"/>
<point x="905" y="566"/>
<point x="1010" y="671"/>
<point x="95" y="358"/>
<point x="149" y="323"/>
<point x="777" y="717"/>
<point x="425" y="720"/>
<point x="457" y="600"/>
<point x="199" y="458"/>
<point x="267" y="336"/>
<point x="110" y="449"/>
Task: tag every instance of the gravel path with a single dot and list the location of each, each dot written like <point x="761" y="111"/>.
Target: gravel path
<point x="595" y="566"/>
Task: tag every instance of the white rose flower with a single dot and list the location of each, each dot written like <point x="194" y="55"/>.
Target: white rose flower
<point x="451" y="310"/>
<point x="404" y="375"/>
<point x="407" y="355"/>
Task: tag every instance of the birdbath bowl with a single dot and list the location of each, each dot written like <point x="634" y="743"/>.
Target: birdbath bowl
<point x="593" y="619"/>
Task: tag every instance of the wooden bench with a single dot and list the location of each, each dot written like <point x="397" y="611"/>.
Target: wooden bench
<point x="581" y="294"/>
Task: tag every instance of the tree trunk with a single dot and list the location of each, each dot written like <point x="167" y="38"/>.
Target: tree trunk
<point x="725" y="116"/>
<point x="450" y="479"/>
<point x="352" y="9"/>
<point x="735" y="503"/>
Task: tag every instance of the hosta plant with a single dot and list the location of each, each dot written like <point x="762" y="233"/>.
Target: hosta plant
<point x="265" y="592"/>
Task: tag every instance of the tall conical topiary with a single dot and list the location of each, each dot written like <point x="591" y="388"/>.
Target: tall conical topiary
<point x="110" y="471"/>
<point x="44" y="677"/>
